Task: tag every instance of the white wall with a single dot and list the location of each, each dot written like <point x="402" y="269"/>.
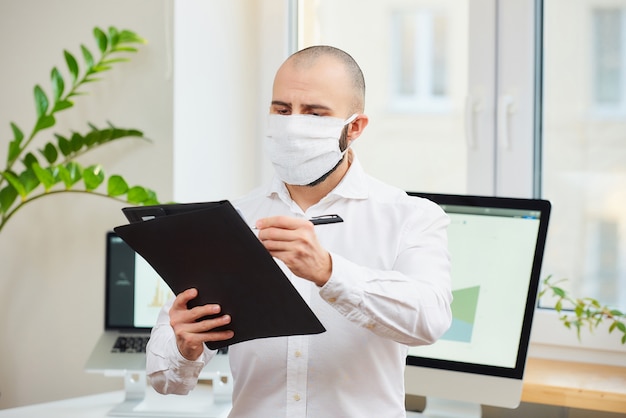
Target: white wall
<point x="226" y="54"/>
<point x="52" y="251"/>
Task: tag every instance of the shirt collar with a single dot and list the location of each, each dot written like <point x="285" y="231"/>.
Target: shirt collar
<point x="352" y="186"/>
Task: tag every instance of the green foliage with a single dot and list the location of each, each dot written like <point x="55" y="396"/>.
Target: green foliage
<point x="53" y="168"/>
<point x="576" y="313"/>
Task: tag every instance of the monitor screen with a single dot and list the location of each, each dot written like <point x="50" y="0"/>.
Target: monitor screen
<point x="496" y="248"/>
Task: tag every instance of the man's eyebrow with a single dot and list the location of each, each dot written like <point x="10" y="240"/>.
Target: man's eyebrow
<point x="308" y="107"/>
<point x="279" y="103"/>
<point x="316" y="107"/>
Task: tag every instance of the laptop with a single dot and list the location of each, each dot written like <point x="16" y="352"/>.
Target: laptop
<point x="134" y="295"/>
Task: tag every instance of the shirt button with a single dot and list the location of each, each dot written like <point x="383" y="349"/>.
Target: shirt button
<point x="298" y="353"/>
<point x="369" y="326"/>
<point x="332" y="300"/>
<point x="296" y="397"/>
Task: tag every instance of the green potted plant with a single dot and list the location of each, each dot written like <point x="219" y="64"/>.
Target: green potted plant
<point x="33" y="172"/>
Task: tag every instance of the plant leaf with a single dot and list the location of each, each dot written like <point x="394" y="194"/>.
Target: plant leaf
<point x="127" y="36"/>
<point x="117" y="186"/>
<point x="41" y="101"/>
<point x="29" y="180"/>
<point x="17" y="132"/>
<point x="77" y="141"/>
<point x="559" y="306"/>
<point x="16" y="183"/>
<point x="125" y="49"/>
<point x="72" y="66"/>
<point x="64" y="144"/>
<point x="114" y="36"/>
<point x="14" y="151"/>
<point x="58" y="85"/>
<point x="100" y="68"/>
<point x="64" y="175"/>
<point x="88" y="57"/>
<point x="45" y="176"/>
<point x="101" y="39"/>
<point x="137" y="194"/>
<point x="7" y="197"/>
<point x="50" y="152"/>
<point x="29" y="160"/>
<point x="62" y="105"/>
<point x="152" y="198"/>
<point x="93" y="176"/>
<point x="15" y="145"/>
<point x="92" y="137"/>
<point x="578" y="310"/>
<point x="70" y="174"/>
<point x="558" y="291"/>
<point x="45" y="122"/>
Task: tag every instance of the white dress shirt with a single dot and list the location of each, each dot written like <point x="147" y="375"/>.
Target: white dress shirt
<point x="389" y="289"/>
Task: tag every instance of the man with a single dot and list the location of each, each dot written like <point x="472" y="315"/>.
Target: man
<point x="379" y="281"/>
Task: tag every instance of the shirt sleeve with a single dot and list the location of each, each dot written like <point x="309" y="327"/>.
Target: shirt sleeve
<point x="167" y="370"/>
<point x="409" y="303"/>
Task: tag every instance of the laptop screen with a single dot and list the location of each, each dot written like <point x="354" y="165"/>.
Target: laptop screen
<point x="135" y="293"/>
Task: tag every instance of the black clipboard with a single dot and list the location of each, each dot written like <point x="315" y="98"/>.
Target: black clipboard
<point x="210" y="247"/>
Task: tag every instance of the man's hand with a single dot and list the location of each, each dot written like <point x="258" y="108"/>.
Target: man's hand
<point x="293" y="241"/>
<point x="191" y="335"/>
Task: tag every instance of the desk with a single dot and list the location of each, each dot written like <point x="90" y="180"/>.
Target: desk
<point x="550" y="382"/>
<point x="575" y="385"/>
<point x="93" y="406"/>
<point x="199" y="403"/>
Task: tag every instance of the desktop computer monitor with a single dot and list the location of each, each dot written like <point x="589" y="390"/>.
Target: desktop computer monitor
<point x="496" y="247"/>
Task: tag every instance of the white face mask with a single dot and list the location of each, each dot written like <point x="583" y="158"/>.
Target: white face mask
<point x="303" y="148"/>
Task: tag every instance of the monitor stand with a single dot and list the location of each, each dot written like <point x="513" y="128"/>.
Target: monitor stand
<point x="141" y="400"/>
<point x="446" y="408"/>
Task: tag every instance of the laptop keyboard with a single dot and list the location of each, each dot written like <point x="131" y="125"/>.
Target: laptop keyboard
<point x="136" y="344"/>
<point x="130" y="344"/>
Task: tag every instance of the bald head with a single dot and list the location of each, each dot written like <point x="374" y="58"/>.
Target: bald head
<point x="308" y="57"/>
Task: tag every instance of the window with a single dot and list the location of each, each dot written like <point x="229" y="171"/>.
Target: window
<point x="419" y="80"/>
<point x="414" y="56"/>
<point x="524" y="83"/>
<point x="608" y="37"/>
<point x="584" y="157"/>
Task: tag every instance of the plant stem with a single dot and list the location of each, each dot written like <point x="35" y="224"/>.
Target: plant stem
<point x="9" y="214"/>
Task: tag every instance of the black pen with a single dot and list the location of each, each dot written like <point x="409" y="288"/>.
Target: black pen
<point x="326" y="219"/>
<point x="322" y="220"/>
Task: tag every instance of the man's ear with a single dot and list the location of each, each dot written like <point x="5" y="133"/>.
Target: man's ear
<point x="356" y="127"/>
